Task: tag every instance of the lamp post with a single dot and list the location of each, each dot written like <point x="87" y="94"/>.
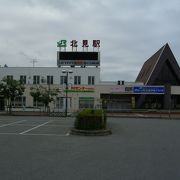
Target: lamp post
<point x="67" y="75"/>
<point x="48" y="95"/>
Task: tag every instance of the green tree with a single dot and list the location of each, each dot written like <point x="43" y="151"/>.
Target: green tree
<point x="9" y="89"/>
<point x="44" y="94"/>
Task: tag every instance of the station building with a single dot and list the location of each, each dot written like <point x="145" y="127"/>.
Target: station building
<point x="157" y="85"/>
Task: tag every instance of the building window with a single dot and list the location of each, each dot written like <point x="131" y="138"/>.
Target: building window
<point x="23" y="79"/>
<point x="36" y="79"/>
<point x="19" y="101"/>
<point x="43" y="80"/>
<point x="91" y="80"/>
<point x="49" y="79"/>
<point x="63" y="79"/>
<point x="59" y="102"/>
<point x="77" y="80"/>
<point x="37" y="103"/>
<point x="9" y="77"/>
<point x="86" y="102"/>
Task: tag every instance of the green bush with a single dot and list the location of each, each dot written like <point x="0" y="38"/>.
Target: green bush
<point x="91" y="119"/>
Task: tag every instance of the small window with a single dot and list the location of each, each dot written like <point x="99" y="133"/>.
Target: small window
<point x="9" y="77"/>
<point x="23" y="79"/>
<point x="36" y="79"/>
<point x="63" y="79"/>
<point x="91" y="80"/>
<point x="77" y="80"/>
<point x="49" y="79"/>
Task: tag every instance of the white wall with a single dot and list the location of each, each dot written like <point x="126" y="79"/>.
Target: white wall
<point x="175" y="89"/>
<point x="52" y="71"/>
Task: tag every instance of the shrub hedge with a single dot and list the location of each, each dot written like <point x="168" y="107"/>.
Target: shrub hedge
<point x="91" y="119"/>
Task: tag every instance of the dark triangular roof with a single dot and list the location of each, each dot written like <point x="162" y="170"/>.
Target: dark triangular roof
<point x="153" y="66"/>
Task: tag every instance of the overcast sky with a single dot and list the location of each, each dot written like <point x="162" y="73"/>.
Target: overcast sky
<point x="130" y="31"/>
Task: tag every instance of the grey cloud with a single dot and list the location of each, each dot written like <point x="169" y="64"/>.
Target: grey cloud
<point x="130" y="31"/>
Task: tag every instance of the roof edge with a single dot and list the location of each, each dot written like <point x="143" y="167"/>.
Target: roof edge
<point x="163" y="47"/>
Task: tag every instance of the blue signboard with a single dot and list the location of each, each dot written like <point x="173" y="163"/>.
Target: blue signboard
<point x="149" y="89"/>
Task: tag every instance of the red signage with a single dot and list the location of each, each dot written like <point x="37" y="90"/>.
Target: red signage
<point x="81" y="88"/>
<point x="78" y="62"/>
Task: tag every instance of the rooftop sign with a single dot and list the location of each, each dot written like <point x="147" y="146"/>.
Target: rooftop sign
<point x="74" y="44"/>
<point x="78" y="58"/>
<point x="73" y="58"/>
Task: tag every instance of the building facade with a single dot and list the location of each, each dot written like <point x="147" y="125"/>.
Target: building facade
<point x="81" y="85"/>
<point x="157" y="85"/>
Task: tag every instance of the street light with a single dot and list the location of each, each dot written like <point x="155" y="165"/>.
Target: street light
<point x="67" y="74"/>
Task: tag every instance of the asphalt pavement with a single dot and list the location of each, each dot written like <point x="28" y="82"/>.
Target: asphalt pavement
<point x="41" y="148"/>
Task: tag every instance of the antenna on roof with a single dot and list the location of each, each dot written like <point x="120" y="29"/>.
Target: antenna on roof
<point x="33" y="61"/>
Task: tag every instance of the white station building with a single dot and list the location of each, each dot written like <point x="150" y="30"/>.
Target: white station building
<point x="81" y="84"/>
<point x="80" y="72"/>
<point x="84" y="86"/>
<point x="77" y="70"/>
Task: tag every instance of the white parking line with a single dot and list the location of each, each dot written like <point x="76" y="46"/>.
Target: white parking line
<point x="4" y="125"/>
<point x="9" y="134"/>
<point x="139" y="115"/>
<point x="35" y="127"/>
<point x="30" y="134"/>
<point x="68" y="133"/>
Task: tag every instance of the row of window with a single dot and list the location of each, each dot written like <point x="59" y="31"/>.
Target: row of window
<point x="60" y="102"/>
<point x="63" y="79"/>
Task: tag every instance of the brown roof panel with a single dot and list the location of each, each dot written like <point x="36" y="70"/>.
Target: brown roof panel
<point x="149" y="66"/>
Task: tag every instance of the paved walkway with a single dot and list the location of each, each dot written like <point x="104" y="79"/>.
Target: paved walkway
<point x="164" y="115"/>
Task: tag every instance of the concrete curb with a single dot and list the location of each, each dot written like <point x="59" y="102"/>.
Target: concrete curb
<point x="103" y="132"/>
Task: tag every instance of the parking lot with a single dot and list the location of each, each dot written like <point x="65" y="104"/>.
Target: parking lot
<point x="42" y="148"/>
<point x="44" y="126"/>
